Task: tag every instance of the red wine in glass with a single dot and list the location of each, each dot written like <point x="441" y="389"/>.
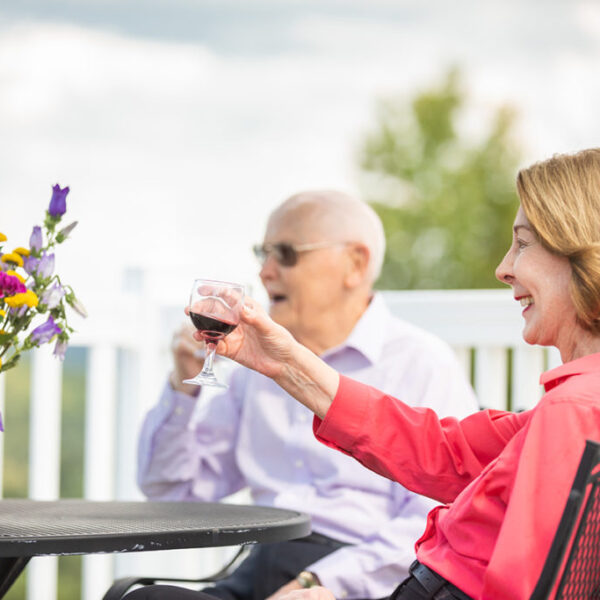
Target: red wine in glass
<point x="215" y="308"/>
<point x="211" y="326"/>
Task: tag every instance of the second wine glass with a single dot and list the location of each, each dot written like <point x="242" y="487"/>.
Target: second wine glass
<point x="214" y="308"/>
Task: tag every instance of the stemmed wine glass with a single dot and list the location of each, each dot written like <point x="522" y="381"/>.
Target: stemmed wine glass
<point x="214" y="308"/>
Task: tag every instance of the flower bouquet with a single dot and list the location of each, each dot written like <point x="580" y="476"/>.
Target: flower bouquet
<point x="29" y="288"/>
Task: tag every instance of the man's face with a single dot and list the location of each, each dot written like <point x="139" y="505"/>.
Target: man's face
<point x="304" y="297"/>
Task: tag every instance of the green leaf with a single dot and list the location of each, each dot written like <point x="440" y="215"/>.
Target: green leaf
<point x="11" y="363"/>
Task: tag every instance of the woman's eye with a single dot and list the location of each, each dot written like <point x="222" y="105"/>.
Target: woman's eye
<point x="521" y="244"/>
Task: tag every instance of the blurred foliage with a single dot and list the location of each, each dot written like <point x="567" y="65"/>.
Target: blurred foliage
<point x="16" y="453"/>
<point x="447" y="200"/>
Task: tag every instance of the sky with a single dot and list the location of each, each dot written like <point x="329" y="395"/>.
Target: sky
<point x="180" y="124"/>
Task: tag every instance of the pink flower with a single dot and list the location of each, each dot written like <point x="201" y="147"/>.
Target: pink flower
<point x="10" y="285"/>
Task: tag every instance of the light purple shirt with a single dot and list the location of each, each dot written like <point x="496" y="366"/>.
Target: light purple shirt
<point x="255" y="435"/>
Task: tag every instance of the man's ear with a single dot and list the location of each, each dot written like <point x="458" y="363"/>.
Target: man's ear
<point x="358" y="264"/>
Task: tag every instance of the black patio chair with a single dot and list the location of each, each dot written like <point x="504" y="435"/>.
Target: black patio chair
<point x="574" y="556"/>
<point x="125" y="584"/>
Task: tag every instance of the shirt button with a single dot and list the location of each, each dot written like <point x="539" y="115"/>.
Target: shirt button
<point x="302" y="418"/>
<point x="343" y="594"/>
<point x="299" y="463"/>
<point x="178" y="410"/>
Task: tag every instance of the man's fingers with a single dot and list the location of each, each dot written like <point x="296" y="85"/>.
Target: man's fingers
<point x="184" y="341"/>
<point x="313" y="593"/>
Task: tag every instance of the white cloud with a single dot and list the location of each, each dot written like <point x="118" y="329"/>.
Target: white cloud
<point x="587" y="16"/>
<point x="176" y="153"/>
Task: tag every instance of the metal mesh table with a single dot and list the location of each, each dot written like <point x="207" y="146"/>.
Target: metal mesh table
<point x="34" y="528"/>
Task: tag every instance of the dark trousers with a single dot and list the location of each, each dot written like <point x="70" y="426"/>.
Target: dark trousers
<point x="264" y="571"/>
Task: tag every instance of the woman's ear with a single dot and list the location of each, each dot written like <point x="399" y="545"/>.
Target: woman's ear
<point x="358" y="264"/>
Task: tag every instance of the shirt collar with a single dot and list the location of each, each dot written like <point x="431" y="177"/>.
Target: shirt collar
<point x="556" y="376"/>
<point x="368" y="335"/>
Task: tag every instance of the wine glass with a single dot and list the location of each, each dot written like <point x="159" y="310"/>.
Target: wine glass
<point x="214" y="308"/>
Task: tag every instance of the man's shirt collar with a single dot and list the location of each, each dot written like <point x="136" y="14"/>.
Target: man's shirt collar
<point x="368" y="335"/>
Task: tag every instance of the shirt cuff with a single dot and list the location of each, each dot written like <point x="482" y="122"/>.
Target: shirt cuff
<point x="342" y="423"/>
<point x="177" y="407"/>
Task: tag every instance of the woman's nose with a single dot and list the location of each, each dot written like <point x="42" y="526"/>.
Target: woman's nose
<point x="504" y="270"/>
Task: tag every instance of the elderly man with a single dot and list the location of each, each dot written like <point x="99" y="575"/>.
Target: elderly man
<point x="321" y="254"/>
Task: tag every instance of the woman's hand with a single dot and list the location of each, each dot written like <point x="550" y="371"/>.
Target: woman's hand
<point x="257" y="342"/>
<point x="261" y="344"/>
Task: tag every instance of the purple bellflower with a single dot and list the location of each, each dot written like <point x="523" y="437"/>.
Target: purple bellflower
<point x="45" y="332"/>
<point x="30" y="264"/>
<point x="36" y="241"/>
<point x="52" y="296"/>
<point x="58" y="202"/>
<point x="46" y="266"/>
<point x="42" y="267"/>
<point x="60" y="349"/>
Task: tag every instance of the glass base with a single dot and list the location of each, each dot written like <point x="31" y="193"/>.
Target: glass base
<point x="208" y="379"/>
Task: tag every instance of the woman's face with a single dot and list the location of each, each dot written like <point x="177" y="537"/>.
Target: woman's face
<point x="540" y="282"/>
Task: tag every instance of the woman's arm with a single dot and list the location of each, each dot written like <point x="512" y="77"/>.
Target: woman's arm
<point x="260" y="344"/>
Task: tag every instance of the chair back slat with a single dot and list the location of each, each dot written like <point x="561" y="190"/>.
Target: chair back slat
<point x="581" y="578"/>
<point x="574" y="557"/>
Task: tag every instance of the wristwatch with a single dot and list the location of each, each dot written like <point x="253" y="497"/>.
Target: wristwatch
<point x="307" y="579"/>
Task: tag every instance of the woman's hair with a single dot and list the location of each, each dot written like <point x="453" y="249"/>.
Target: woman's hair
<point x="561" y="199"/>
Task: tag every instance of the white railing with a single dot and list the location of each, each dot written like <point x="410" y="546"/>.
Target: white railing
<point x="128" y="357"/>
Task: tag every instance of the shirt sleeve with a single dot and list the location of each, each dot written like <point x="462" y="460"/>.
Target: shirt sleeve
<point x="412" y="445"/>
<point x="549" y="458"/>
<point x="373" y="568"/>
<point x="187" y="452"/>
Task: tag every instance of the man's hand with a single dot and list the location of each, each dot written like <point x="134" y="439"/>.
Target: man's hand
<point x="284" y="589"/>
<point x="314" y="593"/>
<point x="188" y="358"/>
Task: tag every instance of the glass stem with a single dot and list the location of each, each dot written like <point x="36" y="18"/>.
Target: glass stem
<point x="208" y="360"/>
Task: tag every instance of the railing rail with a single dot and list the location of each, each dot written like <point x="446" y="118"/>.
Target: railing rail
<point x="128" y="358"/>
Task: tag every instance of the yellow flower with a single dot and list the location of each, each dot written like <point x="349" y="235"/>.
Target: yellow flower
<point x="29" y="298"/>
<point x="17" y="275"/>
<point x="13" y="258"/>
<point x="3" y="238"/>
<point x="21" y="251"/>
<point x="2" y="313"/>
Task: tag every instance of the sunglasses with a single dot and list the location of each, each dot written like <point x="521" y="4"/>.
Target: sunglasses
<point x="287" y="254"/>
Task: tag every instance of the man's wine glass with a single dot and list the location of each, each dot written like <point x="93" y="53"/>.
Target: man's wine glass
<point x="215" y="308"/>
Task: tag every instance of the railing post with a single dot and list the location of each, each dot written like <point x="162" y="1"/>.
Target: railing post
<point x="99" y="462"/>
<point x="491" y="384"/>
<point x="44" y="458"/>
<point x="528" y="365"/>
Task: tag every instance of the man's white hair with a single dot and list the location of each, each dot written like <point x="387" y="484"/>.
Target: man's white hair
<point x="338" y="216"/>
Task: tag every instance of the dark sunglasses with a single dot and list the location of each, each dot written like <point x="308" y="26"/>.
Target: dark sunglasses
<point x="287" y="254"/>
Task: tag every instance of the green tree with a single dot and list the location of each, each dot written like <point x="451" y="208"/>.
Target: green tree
<point x="447" y="200"/>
